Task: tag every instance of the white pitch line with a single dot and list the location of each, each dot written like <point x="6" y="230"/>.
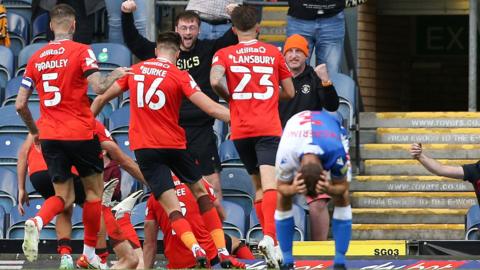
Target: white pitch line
<point x="11" y="266"/>
<point x="12" y="262"/>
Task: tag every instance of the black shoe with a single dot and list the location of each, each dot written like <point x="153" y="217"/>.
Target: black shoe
<point x="339" y="267"/>
<point x="288" y="266"/>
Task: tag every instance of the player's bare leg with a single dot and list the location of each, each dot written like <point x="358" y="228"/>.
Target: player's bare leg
<point x="64" y="197"/>
<point x="214" y="225"/>
<point x="169" y="201"/>
<point x="214" y="180"/>
<point x="269" y="201"/>
<point x="319" y="215"/>
<point x="92" y="209"/>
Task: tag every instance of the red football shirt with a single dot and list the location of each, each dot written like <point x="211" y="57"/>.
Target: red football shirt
<point x="102" y="132"/>
<point x="157" y="89"/>
<point x="178" y="255"/>
<point x="253" y="70"/>
<point x="58" y="71"/>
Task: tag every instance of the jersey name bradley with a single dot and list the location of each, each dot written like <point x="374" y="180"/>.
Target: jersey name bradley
<point x="61" y="63"/>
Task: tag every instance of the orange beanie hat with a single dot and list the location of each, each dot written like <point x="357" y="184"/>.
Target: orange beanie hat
<point x="296" y="41"/>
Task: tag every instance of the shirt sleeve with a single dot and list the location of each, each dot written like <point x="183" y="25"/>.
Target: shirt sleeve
<point x="340" y="168"/>
<point x="102" y="132"/>
<point x="88" y="61"/>
<point x="285" y="163"/>
<point x="210" y="190"/>
<point x="218" y="59"/>
<point x="471" y="172"/>
<point x="123" y="83"/>
<point x="188" y="84"/>
<point x="283" y="70"/>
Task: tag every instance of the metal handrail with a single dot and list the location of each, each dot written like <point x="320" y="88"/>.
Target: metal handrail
<point x="252" y="3"/>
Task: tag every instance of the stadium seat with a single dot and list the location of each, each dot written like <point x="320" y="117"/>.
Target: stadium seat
<point x="18" y="29"/>
<point x="119" y="120"/>
<point x="138" y="214"/>
<point x="124" y="143"/>
<point x="128" y="184"/>
<point x="255" y="234"/>
<point x="39" y="28"/>
<point x="25" y="54"/>
<point x="2" y="222"/>
<point x="10" y="121"/>
<point x="78" y="232"/>
<point x="77" y="218"/>
<point x="8" y="188"/>
<point x="235" y="222"/>
<point x="237" y="180"/>
<point x="7" y="66"/>
<point x="125" y="100"/>
<point x="228" y="154"/>
<point x="108" y="108"/>
<point x="21" y="7"/>
<point x="111" y="55"/>
<point x="17" y="221"/>
<point x="32" y="193"/>
<point x="11" y="92"/>
<point x="472" y="223"/>
<point x="346" y="88"/>
<point x="9" y="146"/>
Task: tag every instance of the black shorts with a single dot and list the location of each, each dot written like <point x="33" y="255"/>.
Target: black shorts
<point x="42" y="182"/>
<point x="60" y="156"/>
<point x="257" y="151"/>
<point x="156" y="164"/>
<point x="202" y="145"/>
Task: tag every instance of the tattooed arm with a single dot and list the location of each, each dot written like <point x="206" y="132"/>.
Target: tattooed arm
<point x="21" y="104"/>
<point x="101" y="83"/>
<point x="217" y="75"/>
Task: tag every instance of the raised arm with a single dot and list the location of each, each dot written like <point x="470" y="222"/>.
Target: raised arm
<point x="100" y="83"/>
<point x="217" y="81"/>
<point x="140" y="46"/>
<point x="434" y="166"/>
<point x="326" y="89"/>
<point x="210" y="107"/>
<point x="100" y="101"/>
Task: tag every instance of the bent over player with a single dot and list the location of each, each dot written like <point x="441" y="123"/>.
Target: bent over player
<point x="311" y="145"/>
<point x="61" y="72"/>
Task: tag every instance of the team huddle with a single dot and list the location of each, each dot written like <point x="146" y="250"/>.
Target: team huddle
<point x="63" y="152"/>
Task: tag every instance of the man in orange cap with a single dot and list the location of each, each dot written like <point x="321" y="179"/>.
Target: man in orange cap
<point x="313" y="91"/>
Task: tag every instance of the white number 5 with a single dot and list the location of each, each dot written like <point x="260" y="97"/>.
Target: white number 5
<point x="51" y="89"/>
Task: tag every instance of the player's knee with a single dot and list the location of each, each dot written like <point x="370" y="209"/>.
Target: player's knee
<point x="132" y="260"/>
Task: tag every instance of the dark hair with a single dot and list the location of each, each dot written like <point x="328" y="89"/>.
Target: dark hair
<point x="169" y="40"/>
<point x="61" y="12"/>
<point x="311" y="175"/>
<point x="187" y="15"/>
<point x="244" y="18"/>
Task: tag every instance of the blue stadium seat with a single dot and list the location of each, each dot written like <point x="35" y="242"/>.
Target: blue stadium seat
<point x="25" y="54"/>
<point x="255" y="234"/>
<point x="77" y="218"/>
<point x="472" y="223"/>
<point x="21" y="7"/>
<point x="137" y="217"/>
<point x="108" y="108"/>
<point x="8" y="188"/>
<point x="10" y="121"/>
<point x="237" y="180"/>
<point x="116" y="55"/>
<point x="124" y="143"/>
<point x="9" y="146"/>
<point x="11" y="92"/>
<point x="125" y="99"/>
<point x="78" y="232"/>
<point x="346" y="88"/>
<point x="40" y="28"/>
<point x="228" y="154"/>
<point x="128" y="184"/>
<point x="18" y="29"/>
<point x="2" y="222"/>
<point x="7" y="66"/>
<point x="17" y="221"/>
<point x="119" y="120"/>
<point x="235" y="222"/>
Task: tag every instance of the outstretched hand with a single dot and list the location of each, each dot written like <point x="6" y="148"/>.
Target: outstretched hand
<point x="416" y="150"/>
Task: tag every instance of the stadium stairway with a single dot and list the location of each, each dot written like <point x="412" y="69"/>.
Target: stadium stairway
<point x="395" y="197"/>
<point x="274" y="21"/>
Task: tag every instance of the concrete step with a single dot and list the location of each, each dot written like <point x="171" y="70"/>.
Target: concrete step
<point x="406" y="166"/>
<point x="408" y="183"/>
<point x="399" y="151"/>
<point x="408" y="231"/>
<point x="272" y="38"/>
<point x="429" y="135"/>
<point x="273" y="27"/>
<point x="420" y="119"/>
<point x="274" y="13"/>
<point x="451" y="200"/>
<point x="408" y="215"/>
